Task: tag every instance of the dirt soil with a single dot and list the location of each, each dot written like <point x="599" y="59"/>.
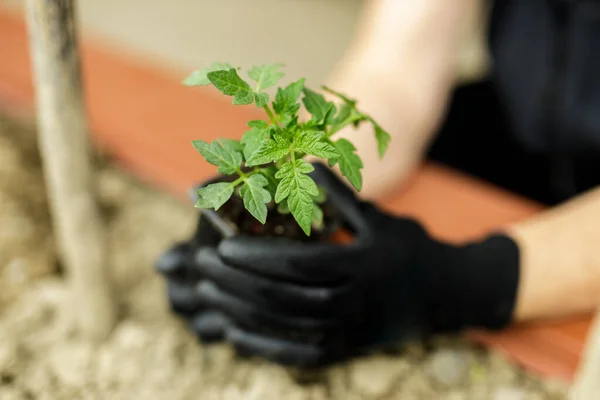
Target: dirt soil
<point x="151" y="355"/>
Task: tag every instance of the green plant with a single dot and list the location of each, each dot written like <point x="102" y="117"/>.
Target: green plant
<point x="269" y="160"/>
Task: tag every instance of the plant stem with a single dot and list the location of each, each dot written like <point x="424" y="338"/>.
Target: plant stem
<point x="243" y="177"/>
<point x="272" y="118"/>
<point x="239" y="180"/>
<point x="334" y="130"/>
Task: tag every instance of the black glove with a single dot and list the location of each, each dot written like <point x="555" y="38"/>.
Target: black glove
<point x="310" y="304"/>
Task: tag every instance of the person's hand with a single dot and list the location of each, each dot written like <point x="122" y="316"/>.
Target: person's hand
<point x="309" y="304"/>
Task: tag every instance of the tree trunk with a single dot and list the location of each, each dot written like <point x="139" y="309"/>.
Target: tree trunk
<point x="66" y="155"/>
<point x="587" y="380"/>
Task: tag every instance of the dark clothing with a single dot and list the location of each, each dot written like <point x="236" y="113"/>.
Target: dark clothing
<point x="477" y="139"/>
<point x="534" y="128"/>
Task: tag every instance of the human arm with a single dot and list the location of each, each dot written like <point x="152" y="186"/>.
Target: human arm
<point x="560" y="259"/>
<point x="401" y="66"/>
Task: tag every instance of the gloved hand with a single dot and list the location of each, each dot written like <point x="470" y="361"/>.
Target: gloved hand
<point x="310" y="304"/>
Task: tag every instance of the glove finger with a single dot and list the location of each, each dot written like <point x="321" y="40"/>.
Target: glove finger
<point x="264" y="292"/>
<point x="243" y="313"/>
<point x="274" y="349"/>
<point x="285" y="259"/>
<point x="172" y="262"/>
<point x="183" y="298"/>
<point x="210" y="325"/>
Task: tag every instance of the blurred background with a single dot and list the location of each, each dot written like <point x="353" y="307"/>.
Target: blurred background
<point x="309" y="36"/>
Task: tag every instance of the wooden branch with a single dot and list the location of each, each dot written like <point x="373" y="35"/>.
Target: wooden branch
<point x="66" y="155"/>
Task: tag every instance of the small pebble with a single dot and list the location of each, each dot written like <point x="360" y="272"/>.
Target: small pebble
<point x="448" y="367"/>
<point x="376" y="376"/>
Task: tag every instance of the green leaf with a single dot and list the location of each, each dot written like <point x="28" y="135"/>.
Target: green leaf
<point x="348" y="115"/>
<point x="203" y="203"/>
<point x="255" y="196"/>
<point x="266" y="75"/>
<point x="350" y="162"/>
<point x="200" y="78"/>
<point x="214" y="195"/>
<point x="270" y="151"/>
<point x="383" y="138"/>
<point x="342" y="115"/>
<point x="299" y="190"/>
<point x="230" y="84"/>
<point x="290" y="122"/>
<point x="286" y="100"/>
<point x="232" y="144"/>
<point x="344" y="98"/>
<point x="224" y="155"/>
<point x="269" y="173"/>
<point x="261" y="99"/>
<point x="316" y="104"/>
<point x="253" y="138"/>
<point x="258" y="123"/>
<point x="311" y="142"/>
<point x="317" y="219"/>
<point x="301" y="166"/>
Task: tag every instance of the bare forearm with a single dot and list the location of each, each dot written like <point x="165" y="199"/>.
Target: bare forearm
<point x="401" y="69"/>
<point x="560" y="260"/>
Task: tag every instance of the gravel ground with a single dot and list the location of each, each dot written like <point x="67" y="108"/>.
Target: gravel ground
<point x="150" y="354"/>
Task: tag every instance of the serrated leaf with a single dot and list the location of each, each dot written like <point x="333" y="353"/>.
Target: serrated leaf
<point x="230" y="84"/>
<point x="223" y="155"/>
<point x="300" y="202"/>
<point x="261" y="99"/>
<point x="270" y="151"/>
<point x="350" y="162"/>
<point x="299" y="190"/>
<point x="253" y="138"/>
<point x="286" y="100"/>
<point x="383" y="138"/>
<point x="214" y="195"/>
<point x="200" y="78"/>
<point x="266" y="75"/>
<point x="311" y="142"/>
<point x="255" y="196"/>
<point x="316" y="105"/>
<point x="301" y="166"/>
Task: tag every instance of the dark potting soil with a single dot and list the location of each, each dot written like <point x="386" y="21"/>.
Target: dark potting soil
<point x="277" y="224"/>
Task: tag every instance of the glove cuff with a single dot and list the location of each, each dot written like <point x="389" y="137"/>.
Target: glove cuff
<point x="474" y="286"/>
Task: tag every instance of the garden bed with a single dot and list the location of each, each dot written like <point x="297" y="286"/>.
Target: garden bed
<point x="151" y="355"/>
